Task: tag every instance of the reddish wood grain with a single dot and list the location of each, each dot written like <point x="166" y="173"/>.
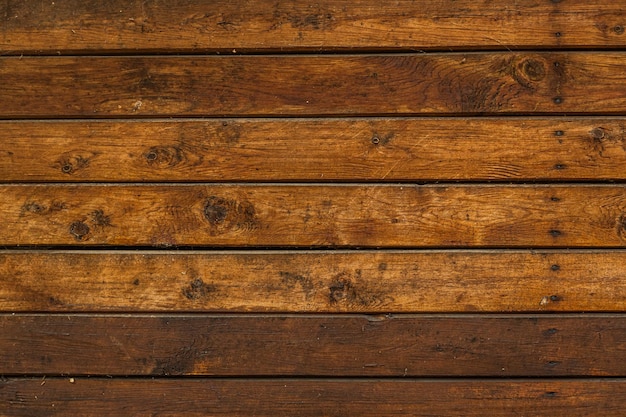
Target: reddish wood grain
<point x="309" y="85"/>
<point x="309" y="398"/>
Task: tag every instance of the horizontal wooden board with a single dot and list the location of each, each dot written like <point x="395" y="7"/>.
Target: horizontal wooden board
<point x="314" y="345"/>
<point x="317" y="215"/>
<point x="364" y="281"/>
<point x="420" y="149"/>
<point x="308" y="85"/>
<point x="201" y="26"/>
<point x="291" y="397"/>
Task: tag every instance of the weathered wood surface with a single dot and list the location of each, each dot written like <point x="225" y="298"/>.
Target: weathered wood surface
<point x="78" y="26"/>
<point x="314" y="215"/>
<point x="312" y="398"/>
<point x="309" y="85"/>
<point x="293" y="282"/>
<point x="314" y="345"/>
<point x="420" y="149"/>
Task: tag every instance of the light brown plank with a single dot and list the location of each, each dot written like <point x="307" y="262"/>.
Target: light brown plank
<point x="422" y="149"/>
<point x="368" y="281"/>
<point x="425" y="84"/>
<point x="318" y="215"/>
<point x="201" y="26"/>
<point x="314" y="345"/>
<point x="291" y="397"/>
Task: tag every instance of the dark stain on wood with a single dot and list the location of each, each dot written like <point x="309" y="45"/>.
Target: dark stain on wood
<point x="216" y="209"/>
<point x="100" y="219"/>
<point x="198" y="289"/>
<point x="164" y="156"/>
<point x="180" y="363"/>
<point x="228" y="214"/>
<point x="346" y="290"/>
<point x="70" y="163"/>
<point x="291" y="280"/>
<point x="79" y="230"/>
<point x="551" y="331"/>
<point x="43" y="209"/>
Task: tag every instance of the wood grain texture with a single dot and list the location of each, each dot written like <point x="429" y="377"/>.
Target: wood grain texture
<point x="314" y="345"/>
<point x="294" y="282"/>
<point x="374" y="149"/>
<point x="312" y="398"/>
<point x="202" y="26"/>
<point x="314" y="215"/>
<point x="308" y="85"/>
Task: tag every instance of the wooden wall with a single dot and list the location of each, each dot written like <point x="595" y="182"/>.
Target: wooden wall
<point x="280" y="208"/>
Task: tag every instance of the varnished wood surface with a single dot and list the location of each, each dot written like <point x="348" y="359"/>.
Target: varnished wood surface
<point x="283" y="208"/>
<point x="209" y="26"/>
<point x="314" y="345"/>
<point x="293" y="282"/>
<point x="314" y="215"/>
<point x="310" y="85"/>
<point x="362" y="149"/>
<point x="312" y="398"/>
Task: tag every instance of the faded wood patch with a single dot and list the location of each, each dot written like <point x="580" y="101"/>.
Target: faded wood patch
<point x="294" y="282"/>
<point x="374" y="149"/>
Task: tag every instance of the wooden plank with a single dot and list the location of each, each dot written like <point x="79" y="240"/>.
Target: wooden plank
<point x="318" y="215"/>
<point x="424" y="84"/>
<point x="314" y="345"/>
<point x="201" y="26"/>
<point x="364" y="281"/>
<point x="290" y="397"/>
<point x="420" y="149"/>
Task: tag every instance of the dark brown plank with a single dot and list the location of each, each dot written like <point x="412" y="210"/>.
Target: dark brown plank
<point x="314" y="345"/>
<point x="200" y="26"/>
<point x="291" y="397"/>
<point x="319" y="215"/>
<point x="421" y="149"/>
<point x="367" y="281"/>
<point x="425" y="84"/>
